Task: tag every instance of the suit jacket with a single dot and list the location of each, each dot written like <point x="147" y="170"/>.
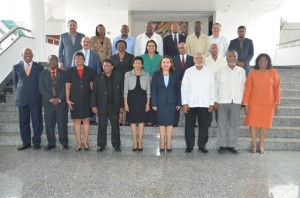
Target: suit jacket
<point x="244" y="55"/>
<point x="169" y="47"/>
<point x="99" y="98"/>
<point x="66" y="48"/>
<point x="122" y="66"/>
<point x="160" y="94"/>
<point x="27" y="86"/>
<point x="45" y="87"/>
<point x="189" y="62"/>
<point x="94" y="61"/>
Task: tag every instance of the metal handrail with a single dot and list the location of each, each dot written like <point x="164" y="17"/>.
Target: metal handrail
<point x="5" y="36"/>
<point x="289" y="44"/>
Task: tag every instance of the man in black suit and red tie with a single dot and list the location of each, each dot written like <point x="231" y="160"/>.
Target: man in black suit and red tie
<point x="171" y="41"/>
<point x="28" y="99"/>
<point x="181" y="63"/>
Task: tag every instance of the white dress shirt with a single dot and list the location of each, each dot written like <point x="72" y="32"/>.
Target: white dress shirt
<point x="141" y="41"/>
<point x="215" y="65"/>
<point x="230" y="85"/>
<point x="198" y="87"/>
<point x="222" y="43"/>
<point x="86" y="56"/>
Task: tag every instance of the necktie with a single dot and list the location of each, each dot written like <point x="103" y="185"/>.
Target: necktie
<point x="175" y="40"/>
<point x="182" y="62"/>
<point x="53" y="83"/>
<point x="27" y="69"/>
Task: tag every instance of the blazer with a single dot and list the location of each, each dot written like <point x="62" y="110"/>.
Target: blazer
<point x="160" y="94"/>
<point x="45" y="87"/>
<point x="130" y="82"/>
<point x="189" y="62"/>
<point x="27" y="89"/>
<point x="169" y="46"/>
<point x="94" y="61"/>
<point x="244" y="55"/>
<point x="98" y="97"/>
<point x="122" y="66"/>
<point x="66" y="48"/>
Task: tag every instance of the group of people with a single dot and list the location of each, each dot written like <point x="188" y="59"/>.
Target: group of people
<point x="147" y="81"/>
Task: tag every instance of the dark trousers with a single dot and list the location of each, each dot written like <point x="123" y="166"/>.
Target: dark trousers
<point x="190" y="118"/>
<point x="102" y="127"/>
<point x="37" y="124"/>
<point x="56" y="115"/>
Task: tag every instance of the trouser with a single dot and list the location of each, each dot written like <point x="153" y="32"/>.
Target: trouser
<point x="102" y="127"/>
<point x="190" y="118"/>
<point x="228" y="124"/>
<point x="56" y="115"/>
<point x="37" y="123"/>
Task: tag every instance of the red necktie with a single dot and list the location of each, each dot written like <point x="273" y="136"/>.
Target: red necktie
<point x="53" y="77"/>
<point x="182" y="62"/>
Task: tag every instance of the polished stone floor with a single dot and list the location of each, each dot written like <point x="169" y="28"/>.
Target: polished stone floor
<point x="58" y="173"/>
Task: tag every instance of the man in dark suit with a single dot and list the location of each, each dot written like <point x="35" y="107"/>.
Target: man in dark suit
<point x="181" y="63"/>
<point x="28" y="99"/>
<point x="52" y="88"/>
<point x="106" y="101"/>
<point x="171" y="41"/>
<point x="92" y="60"/>
<point x="69" y="43"/>
<point x="244" y="48"/>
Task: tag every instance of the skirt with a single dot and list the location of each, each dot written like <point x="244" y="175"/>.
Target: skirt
<point x="260" y="116"/>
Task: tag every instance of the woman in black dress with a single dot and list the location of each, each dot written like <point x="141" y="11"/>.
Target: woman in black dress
<point x="122" y="63"/>
<point x="165" y="99"/>
<point x="136" y="100"/>
<point x="78" y="93"/>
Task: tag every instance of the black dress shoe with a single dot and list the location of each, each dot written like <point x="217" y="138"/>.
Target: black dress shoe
<point x="188" y="150"/>
<point x="36" y="147"/>
<point x="221" y="150"/>
<point x="203" y="150"/>
<point x="117" y="149"/>
<point x="127" y="124"/>
<point x="49" y="147"/>
<point x="65" y="147"/>
<point x="22" y="147"/>
<point x="233" y="150"/>
<point x="93" y="123"/>
<point x="100" y="148"/>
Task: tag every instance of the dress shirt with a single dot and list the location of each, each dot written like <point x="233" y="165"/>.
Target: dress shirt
<point x="195" y="44"/>
<point x="141" y="41"/>
<point x="222" y="43"/>
<point x="130" y="42"/>
<point x="25" y="64"/>
<point x="177" y="37"/>
<point x="86" y="56"/>
<point x="198" y="87"/>
<point x="230" y="85"/>
<point x="151" y="65"/>
<point x="215" y="65"/>
<point x="166" y="80"/>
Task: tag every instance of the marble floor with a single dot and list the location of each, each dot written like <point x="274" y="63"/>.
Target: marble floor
<point x="58" y="173"/>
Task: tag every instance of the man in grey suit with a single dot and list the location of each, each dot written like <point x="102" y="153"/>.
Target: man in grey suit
<point x="244" y="48"/>
<point x="69" y="43"/>
<point x="92" y="60"/>
<point x="52" y="88"/>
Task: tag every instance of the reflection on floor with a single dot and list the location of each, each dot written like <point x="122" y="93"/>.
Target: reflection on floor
<point x="58" y="173"/>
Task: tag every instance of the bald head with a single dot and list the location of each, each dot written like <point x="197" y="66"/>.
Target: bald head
<point x="86" y="43"/>
<point x="175" y="28"/>
<point x="213" y="49"/>
<point x="27" y="55"/>
<point x="181" y="48"/>
<point x="149" y="28"/>
<point x="199" y="59"/>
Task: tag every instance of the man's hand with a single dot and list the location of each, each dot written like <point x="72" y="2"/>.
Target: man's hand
<point x="186" y="108"/>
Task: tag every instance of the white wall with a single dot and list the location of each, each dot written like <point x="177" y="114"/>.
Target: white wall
<point x="290" y="32"/>
<point x="262" y="27"/>
<point x="287" y="56"/>
<point x="55" y="27"/>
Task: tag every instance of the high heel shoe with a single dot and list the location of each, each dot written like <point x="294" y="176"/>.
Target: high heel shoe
<point x="253" y="151"/>
<point x="139" y="149"/>
<point x="86" y="148"/>
<point x="134" y="149"/>
<point x="261" y="151"/>
<point x="77" y="149"/>
<point x="169" y="149"/>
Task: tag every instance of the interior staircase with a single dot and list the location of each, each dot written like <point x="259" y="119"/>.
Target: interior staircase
<point x="284" y="136"/>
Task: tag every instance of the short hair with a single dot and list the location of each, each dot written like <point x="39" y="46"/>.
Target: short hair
<point x="234" y="51"/>
<point x="100" y="25"/>
<point x="138" y="58"/>
<point x="217" y="24"/>
<point x="172" y="68"/>
<point x="79" y="54"/>
<point x="151" y="41"/>
<point x="53" y="56"/>
<point x="241" y="27"/>
<point x="72" y="20"/>
<point x="260" y="56"/>
<point x="197" y="22"/>
<point x="119" y="41"/>
<point x="107" y="60"/>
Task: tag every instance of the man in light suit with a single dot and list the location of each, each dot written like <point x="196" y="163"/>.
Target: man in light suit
<point x="69" y="43"/>
<point x="244" y="48"/>
<point x="28" y="99"/>
<point x="52" y="88"/>
<point x="171" y="41"/>
<point x="181" y="63"/>
<point x="92" y="60"/>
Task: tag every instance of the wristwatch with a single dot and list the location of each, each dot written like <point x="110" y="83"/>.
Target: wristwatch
<point x="59" y="100"/>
